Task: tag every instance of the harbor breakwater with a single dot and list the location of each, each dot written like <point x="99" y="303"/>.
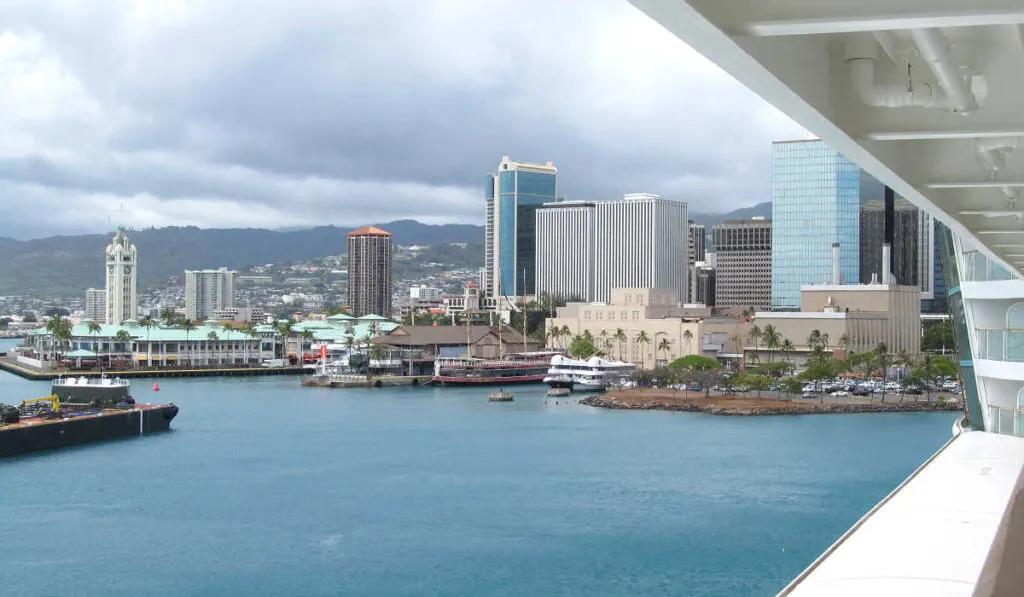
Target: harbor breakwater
<point x="728" y="405"/>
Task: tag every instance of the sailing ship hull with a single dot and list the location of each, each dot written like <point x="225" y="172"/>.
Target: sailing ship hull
<point x="488" y="381"/>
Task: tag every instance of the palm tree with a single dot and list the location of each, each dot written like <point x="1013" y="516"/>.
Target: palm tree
<point x="903" y="358"/>
<point x="664" y="346"/>
<point x="620" y="336"/>
<point x="687" y="337"/>
<point x="350" y="342"/>
<point x="844" y="342"/>
<point x="604" y="337"/>
<point x="286" y="329"/>
<point x="814" y="339"/>
<point x="376" y="353"/>
<point x="926" y="368"/>
<point x="211" y="337"/>
<point x="60" y="328"/>
<point x="642" y="339"/>
<point x="188" y="325"/>
<point x="249" y="330"/>
<point x="553" y="334"/>
<point x="149" y="323"/>
<point x="607" y="346"/>
<point x="94" y="330"/>
<point x="772" y="340"/>
<point x="306" y="336"/>
<point x="170" y="316"/>
<point x="755" y="336"/>
<point x="786" y="348"/>
<point x="123" y="337"/>
<point x="882" y="361"/>
<point x="566" y="335"/>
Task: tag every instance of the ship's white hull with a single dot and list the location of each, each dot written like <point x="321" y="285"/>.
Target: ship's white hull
<point x="592" y="375"/>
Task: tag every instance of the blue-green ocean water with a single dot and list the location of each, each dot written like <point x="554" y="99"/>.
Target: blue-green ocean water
<point x="266" y="488"/>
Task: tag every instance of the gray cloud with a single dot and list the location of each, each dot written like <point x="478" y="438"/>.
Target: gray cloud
<point x="223" y="114"/>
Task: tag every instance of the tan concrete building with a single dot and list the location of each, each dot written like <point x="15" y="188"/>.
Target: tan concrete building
<point x="654" y="311"/>
<point x="866" y="314"/>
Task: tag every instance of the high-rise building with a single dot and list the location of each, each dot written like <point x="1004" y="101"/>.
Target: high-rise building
<point x="208" y="292"/>
<point x="698" y="242"/>
<point x="122" y="275"/>
<point x="584" y="249"/>
<point x="514" y="193"/>
<point x="96" y="304"/>
<point x="565" y="249"/>
<point x="370" y="261"/>
<point x="819" y="197"/>
<point x="703" y="284"/>
<point x="743" y="271"/>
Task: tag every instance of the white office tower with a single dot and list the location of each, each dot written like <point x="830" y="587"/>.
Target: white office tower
<point x="122" y="272"/>
<point x="208" y="292"/>
<point x="565" y="250"/>
<point x="96" y="304"/>
<point x="585" y="249"/>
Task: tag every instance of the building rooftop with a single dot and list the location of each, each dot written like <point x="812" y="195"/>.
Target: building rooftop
<point x="422" y="335"/>
<point x="369" y="231"/>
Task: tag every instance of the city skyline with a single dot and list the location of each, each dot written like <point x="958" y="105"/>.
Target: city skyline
<point x="248" y="132"/>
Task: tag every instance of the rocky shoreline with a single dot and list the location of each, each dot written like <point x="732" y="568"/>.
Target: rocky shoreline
<point x="736" y="406"/>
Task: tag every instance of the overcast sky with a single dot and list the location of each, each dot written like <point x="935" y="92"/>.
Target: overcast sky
<point x="233" y="113"/>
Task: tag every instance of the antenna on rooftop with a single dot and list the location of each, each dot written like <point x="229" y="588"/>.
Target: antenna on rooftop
<point x="122" y="217"/>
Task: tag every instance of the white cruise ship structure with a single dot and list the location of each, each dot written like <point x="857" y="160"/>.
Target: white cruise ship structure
<point x="928" y="98"/>
<point x="593" y="374"/>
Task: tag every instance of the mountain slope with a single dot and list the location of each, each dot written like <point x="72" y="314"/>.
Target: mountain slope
<point x="70" y="264"/>
<point x="744" y="213"/>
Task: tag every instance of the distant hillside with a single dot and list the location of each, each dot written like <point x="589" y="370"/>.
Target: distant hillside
<point x="744" y="213"/>
<point x="70" y="264"/>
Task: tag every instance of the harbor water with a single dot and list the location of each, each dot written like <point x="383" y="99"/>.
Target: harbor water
<point x="266" y="488"/>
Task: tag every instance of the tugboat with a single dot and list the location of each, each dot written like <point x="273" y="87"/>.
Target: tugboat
<point x="80" y="410"/>
<point x="501" y="396"/>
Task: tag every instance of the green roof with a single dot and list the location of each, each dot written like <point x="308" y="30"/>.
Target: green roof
<point x="79" y="354"/>
<point x="156" y="334"/>
<point x="332" y="330"/>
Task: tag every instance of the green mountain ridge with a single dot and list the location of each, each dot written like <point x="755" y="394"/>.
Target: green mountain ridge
<point x="67" y="265"/>
<point x="70" y="264"/>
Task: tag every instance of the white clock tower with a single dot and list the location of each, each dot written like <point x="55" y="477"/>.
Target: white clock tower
<point x="122" y="262"/>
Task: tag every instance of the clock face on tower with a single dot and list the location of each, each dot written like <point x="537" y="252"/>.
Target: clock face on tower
<point x="127" y="269"/>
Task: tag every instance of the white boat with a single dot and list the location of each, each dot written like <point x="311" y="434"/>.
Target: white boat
<point x="592" y="374"/>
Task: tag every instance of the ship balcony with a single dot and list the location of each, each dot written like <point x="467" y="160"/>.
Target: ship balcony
<point x="1006" y="421"/>
<point x="1001" y="345"/>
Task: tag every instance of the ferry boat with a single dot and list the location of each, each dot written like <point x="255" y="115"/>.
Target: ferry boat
<point x="593" y="374"/>
<point x="523" y="367"/>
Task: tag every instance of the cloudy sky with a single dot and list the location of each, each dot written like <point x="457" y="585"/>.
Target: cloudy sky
<point x="233" y="113"/>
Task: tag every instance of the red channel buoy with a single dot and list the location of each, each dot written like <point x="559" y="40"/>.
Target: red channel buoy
<point x="156" y="387"/>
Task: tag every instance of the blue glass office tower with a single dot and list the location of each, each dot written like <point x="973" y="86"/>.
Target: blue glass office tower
<point x="815" y="202"/>
<point x="820" y="197"/>
<point x="514" y="193"/>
